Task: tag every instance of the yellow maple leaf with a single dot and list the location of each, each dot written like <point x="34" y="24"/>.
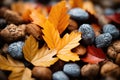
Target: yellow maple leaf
<point x="23" y="74"/>
<point x="62" y="45"/>
<point x="10" y="64"/>
<point x="44" y="57"/>
<point x="38" y="57"/>
<point x="59" y="17"/>
<point x="68" y="42"/>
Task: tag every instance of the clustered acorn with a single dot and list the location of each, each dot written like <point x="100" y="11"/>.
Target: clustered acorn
<point x="14" y="30"/>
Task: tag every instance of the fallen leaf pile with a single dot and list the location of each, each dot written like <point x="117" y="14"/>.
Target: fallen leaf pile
<point x="56" y="23"/>
<point x="52" y="39"/>
<point x="60" y="47"/>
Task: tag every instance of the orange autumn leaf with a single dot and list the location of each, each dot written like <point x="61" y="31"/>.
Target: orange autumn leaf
<point x="76" y="3"/>
<point x="58" y="16"/>
<point x="38" y="57"/>
<point x="88" y="6"/>
<point x="51" y="35"/>
<point x="62" y="45"/>
<point x="23" y="74"/>
<point x="38" y="18"/>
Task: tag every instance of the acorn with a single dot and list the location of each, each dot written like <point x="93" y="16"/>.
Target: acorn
<point x="13" y="32"/>
<point x="34" y="30"/>
<point x="111" y="52"/>
<point x="42" y="73"/>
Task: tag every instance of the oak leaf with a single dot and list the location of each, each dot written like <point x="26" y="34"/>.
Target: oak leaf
<point x="38" y="57"/>
<point x="24" y="74"/>
<point x="59" y="17"/>
<point x="62" y="45"/>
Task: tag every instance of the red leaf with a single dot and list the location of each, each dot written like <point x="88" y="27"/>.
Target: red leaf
<point x="94" y="55"/>
<point x="91" y="59"/>
<point x="98" y="52"/>
<point x="115" y="18"/>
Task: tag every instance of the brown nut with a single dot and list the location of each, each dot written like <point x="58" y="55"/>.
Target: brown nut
<point x="117" y="61"/>
<point x="2" y="11"/>
<point x="90" y="70"/>
<point x="111" y="52"/>
<point x="114" y="49"/>
<point x="72" y="25"/>
<point x="13" y="32"/>
<point x="34" y="30"/>
<point x="80" y="50"/>
<point x="110" y="78"/>
<point x="110" y="69"/>
<point x="12" y="17"/>
<point x="42" y="73"/>
<point x="116" y="46"/>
